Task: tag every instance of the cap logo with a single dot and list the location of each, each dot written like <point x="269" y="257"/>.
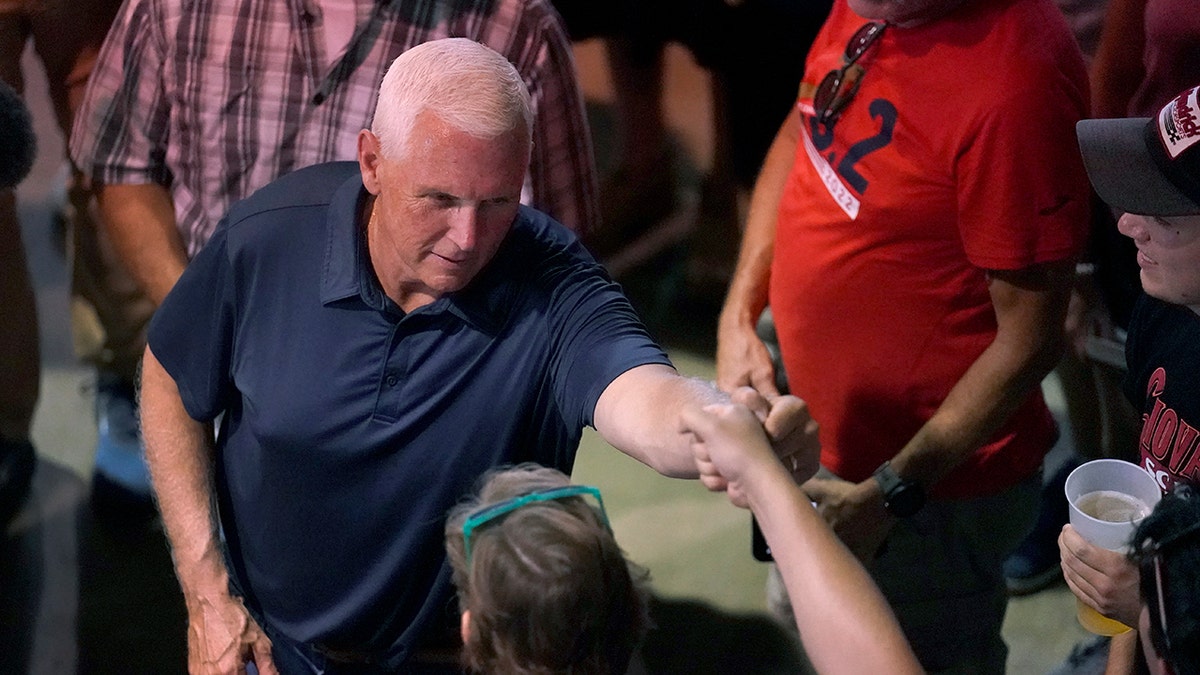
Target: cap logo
<point x="1178" y="124"/>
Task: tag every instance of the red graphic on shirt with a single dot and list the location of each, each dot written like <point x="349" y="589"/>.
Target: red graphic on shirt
<point x="1168" y="442"/>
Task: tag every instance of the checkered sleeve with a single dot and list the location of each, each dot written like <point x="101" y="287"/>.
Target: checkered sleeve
<point x="563" y="170"/>
<point x="120" y="132"/>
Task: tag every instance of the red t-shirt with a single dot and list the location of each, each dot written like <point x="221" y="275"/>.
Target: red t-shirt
<point x="957" y="155"/>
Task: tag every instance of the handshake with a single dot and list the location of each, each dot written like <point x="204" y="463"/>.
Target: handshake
<point x="750" y="445"/>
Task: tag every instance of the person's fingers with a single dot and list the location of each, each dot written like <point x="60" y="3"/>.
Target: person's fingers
<point x="701" y="422"/>
<point x="786" y="416"/>
<point x="755" y="401"/>
<point x="816" y="489"/>
<point x="1073" y="549"/>
<point x="1071" y="537"/>
<point x="1081" y="588"/>
<point x="1065" y="554"/>
<point x="1087" y="589"/>
<point x="1083" y="574"/>
<point x="1087" y="558"/>
<point x="737" y="498"/>
<point x="764" y="382"/>
<point x="262" y="658"/>
<point x="714" y="483"/>
<point x="803" y="457"/>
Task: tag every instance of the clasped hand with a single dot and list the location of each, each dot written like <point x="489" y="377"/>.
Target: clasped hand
<point x="736" y="442"/>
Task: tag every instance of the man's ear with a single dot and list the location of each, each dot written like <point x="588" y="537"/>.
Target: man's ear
<point x="369" y="157"/>
<point x="464" y="628"/>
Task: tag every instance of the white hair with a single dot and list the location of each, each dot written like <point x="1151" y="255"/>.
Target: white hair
<point x="462" y="82"/>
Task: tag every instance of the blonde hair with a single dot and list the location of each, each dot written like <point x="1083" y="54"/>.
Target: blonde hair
<point x="462" y="82"/>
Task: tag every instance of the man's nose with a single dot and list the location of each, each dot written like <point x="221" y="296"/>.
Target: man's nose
<point x="1133" y="226"/>
<point x="464" y="227"/>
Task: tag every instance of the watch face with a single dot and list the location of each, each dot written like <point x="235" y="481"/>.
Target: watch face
<point x="900" y="497"/>
<point x="905" y="500"/>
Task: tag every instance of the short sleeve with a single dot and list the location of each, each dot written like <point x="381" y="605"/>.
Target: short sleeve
<point x="121" y="129"/>
<point x="1023" y="194"/>
<point x="595" y="337"/>
<point x="192" y="333"/>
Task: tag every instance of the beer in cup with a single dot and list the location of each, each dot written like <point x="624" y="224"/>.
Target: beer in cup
<point x="1108" y="498"/>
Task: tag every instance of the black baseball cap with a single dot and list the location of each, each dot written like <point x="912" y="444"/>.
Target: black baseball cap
<point x="1147" y="166"/>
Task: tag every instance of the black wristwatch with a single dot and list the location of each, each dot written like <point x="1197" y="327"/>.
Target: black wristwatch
<point x="902" y="498"/>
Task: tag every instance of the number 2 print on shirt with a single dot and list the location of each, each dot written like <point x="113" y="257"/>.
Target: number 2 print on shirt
<point x="839" y="175"/>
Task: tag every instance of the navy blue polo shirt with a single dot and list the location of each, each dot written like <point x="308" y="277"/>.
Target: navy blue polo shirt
<point x="350" y="427"/>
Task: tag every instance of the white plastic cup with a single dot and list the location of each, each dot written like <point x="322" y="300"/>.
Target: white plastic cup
<point x="1116" y="476"/>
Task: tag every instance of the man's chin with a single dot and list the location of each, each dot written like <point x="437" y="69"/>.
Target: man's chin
<point x="873" y="9"/>
<point x="452" y="283"/>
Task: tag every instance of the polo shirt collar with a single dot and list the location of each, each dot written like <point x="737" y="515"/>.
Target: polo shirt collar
<point x="347" y="272"/>
<point x="344" y="247"/>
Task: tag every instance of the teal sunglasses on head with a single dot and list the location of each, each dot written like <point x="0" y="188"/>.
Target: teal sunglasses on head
<point x="494" y="511"/>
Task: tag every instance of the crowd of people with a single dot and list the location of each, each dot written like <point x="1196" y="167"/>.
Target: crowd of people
<point x="344" y="265"/>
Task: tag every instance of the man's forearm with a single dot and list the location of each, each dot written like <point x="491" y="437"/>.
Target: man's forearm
<point x="639" y="414"/>
<point x="140" y="220"/>
<point x="1122" y="654"/>
<point x="179" y="451"/>
<point x="1028" y="343"/>
<point x="742" y="359"/>
<point x="748" y="289"/>
<point x="978" y="405"/>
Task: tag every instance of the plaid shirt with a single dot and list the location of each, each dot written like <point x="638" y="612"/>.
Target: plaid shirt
<point x="217" y="98"/>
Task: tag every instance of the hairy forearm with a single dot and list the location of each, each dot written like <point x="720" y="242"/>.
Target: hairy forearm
<point x="141" y="223"/>
<point x="179" y="451"/>
<point x="978" y="405"/>
<point x="742" y="358"/>
<point x="640" y="412"/>
<point x="748" y="289"/>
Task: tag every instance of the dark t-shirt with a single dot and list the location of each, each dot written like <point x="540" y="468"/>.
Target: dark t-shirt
<point x="1163" y="352"/>
<point x="350" y="427"/>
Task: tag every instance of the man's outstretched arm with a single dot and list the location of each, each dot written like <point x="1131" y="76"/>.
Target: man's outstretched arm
<point x="640" y="413"/>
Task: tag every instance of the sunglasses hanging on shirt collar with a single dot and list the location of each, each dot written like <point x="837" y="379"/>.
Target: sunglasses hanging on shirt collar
<point x="839" y="85"/>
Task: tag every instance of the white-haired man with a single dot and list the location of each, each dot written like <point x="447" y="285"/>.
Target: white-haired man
<point x="195" y="105"/>
<point x="376" y="336"/>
